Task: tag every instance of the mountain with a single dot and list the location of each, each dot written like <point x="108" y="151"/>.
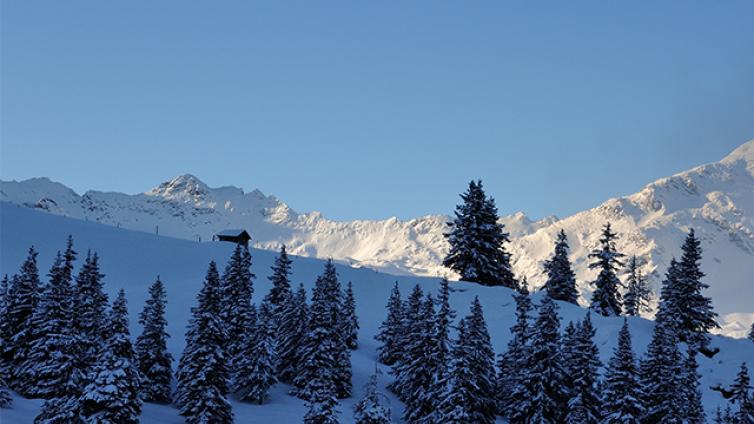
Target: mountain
<point x="131" y="260"/>
<point x="716" y="199"/>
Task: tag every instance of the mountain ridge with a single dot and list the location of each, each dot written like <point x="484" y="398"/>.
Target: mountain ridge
<point x="716" y="198"/>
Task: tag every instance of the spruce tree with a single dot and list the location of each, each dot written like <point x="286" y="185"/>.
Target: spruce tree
<point x="256" y="370"/>
<point x="409" y="335"/>
<point x="23" y="298"/>
<point x="561" y="280"/>
<point x="622" y="402"/>
<point x="291" y="334"/>
<point x="606" y="299"/>
<point x="52" y="357"/>
<point x="513" y="392"/>
<point x="350" y="322"/>
<point x="321" y="403"/>
<point x="155" y="362"/>
<point x="636" y="299"/>
<point x="112" y="396"/>
<point x="390" y="334"/>
<point x="90" y="318"/>
<point x="280" y="279"/>
<point x="545" y="378"/>
<point x="5" y="326"/>
<point x="469" y="394"/>
<point x="202" y="374"/>
<point x="584" y="404"/>
<point x="668" y="312"/>
<point x="697" y="315"/>
<point x="661" y="378"/>
<point x="324" y="346"/>
<point x="237" y="290"/>
<point x="476" y="238"/>
<point x="445" y="316"/>
<point x="370" y="409"/>
<point x="692" y="396"/>
<point x="741" y="397"/>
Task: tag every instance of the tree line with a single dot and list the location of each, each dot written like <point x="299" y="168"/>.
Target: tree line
<point x="65" y="342"/>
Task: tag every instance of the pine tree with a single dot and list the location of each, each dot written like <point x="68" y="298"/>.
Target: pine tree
<point x="692" y="396"/>
<point x="697" y="315"/>
<point x="741" y="397"/>
<point x="606" y="299"/>
<point x="584" y="404"/>
<point x="622" y="402"/>
<point x="409" y="334"/>
<point x="477" y="250"/>
<point x="113" y="394"/>
<point x="52" y="356"/>
<point x="370" y="410"/>
<point x="668" y="312"/>
<point x="292" y="327"/>
<point x="389" y="350"/>
<point x="155" y="362"/>
<point x="416" y="373"/>
<point x="202" y="370"/>
<point x="321" y="400"/>
<point x="545" y="378"/>
<point x="350" y="327"/>
<point x="237" y="290"/>
<point x="280" y="279"/>
<point x="513" y="394"/>
<point x="5" y="326"/>
<point x="443" y="321"/>
<point x="324" y="346"/>
<point x="561" y="280"/>
<point x="469" y="394"/>
<point x="90" y="303"/>
<point x="23" y="298"/>
<point x="661" y="372"/>
<point x="636" y="299"/>
<point x="256" y="370"/>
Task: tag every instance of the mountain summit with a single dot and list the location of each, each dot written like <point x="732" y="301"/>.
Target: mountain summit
<point x="716" y="199"/>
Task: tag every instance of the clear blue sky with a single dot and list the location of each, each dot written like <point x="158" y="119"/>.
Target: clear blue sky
<point x="369" y="109"/>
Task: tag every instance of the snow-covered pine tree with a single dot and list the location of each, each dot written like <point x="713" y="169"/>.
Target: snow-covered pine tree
<point x="52" y="357"/>
<point x="291" y="334"/>
<point x="5" y="400"/>
<point x="606" y="299"/>
<point x="255" y="374"/>
<point x="469" y="388"/>
<point x="568" y="348"/>
<point x="155" y="362"/>
<point x="545" y="378"/>
<point x="513" y="396"/>
<point x="445" y="316"/>
<point x="370" y="409"/>
<point x="637" y="296"/>
<point x="5" y="326"/>
<point x="90" y="311"/>
<point x="112" y="397"/>
<point x="477" y="250"/>
<point x="202" y="374"/>
<point x="237" y="290"/>
<point x="280" y="279"/>
<point x="692" y="396"/>
<point x="418" y="368"/>
<point x="22" y="300"/>
<point x="321" y="404"/>
<point x="324" y="347"/>
<point x="561" y="280"/>
<point x="409" y="334"/>
<point x="390" y="333"/>
<point x="621" y="398"/>
<point x="349" y="320"/>
<point x="697" y="315"/>
<point x="668" y="312"/>
<point x="661" y="378"/>
<point x="744" y="401"/>
<point x="584" y="405"/>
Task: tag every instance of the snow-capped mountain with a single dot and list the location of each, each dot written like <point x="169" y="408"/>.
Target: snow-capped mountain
<point x="716" y="199"/>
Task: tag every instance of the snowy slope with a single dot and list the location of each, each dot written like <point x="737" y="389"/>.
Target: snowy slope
<point x="716" y="199"/>
<point x="132" y="260"/>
